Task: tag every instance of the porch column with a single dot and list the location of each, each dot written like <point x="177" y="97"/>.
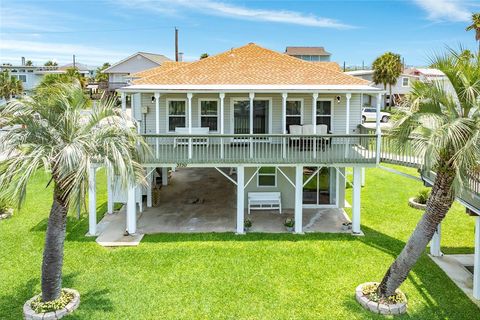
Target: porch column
<point x="131" y="209"/>
<point x="164" y="176"/>
<point x="222" y="127"/>
<point x="92" y="201"/>
<point x="109" y="192"/>
<point x="476" y="260"/>
<point x="240" y="199"/>
<point x="378" y="129"/>
<point x="189" y="97"/>
<point x="157" y="122"/>
<point x="299" y="199"/>
<point x="251" y="96"/>
<point x="123" y="98"/>
<point x="314" y="112"/>
<point x="435" y="248"/>
<point x="357" y="187"/>
<point x="284" y="123"/>
<point x="347" y="116"/>
<point x="149" y="188"/>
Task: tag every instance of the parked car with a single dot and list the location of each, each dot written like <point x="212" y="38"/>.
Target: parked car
<point x="370" y="114"/>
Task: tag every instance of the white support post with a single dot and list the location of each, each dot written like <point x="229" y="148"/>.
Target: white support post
<point x="164" y="176"/>
<point x="157" y="122"/>
<point x="92" y="202"/>
<point x="284" y="123"/>
<point x="363" y="177"/>
<point x="189" y="97"/>
<point x="251" y="96"/>
<point x="314" y="122"/>
<point x="149" y="189"/>
<point x="222" y="124"/>
<point x="378" y="129"/>
<point x="240" y="199"/>
<point x="357" y="187"/>
<point x="123" y="98"/>
<point x="109" y="192"/>
<point x="299" y="199"/>
<point x="131" y="210"/>
<point x="476" y="260"/>
<point x="435" y="247"/>
<point x="347" y="115"/>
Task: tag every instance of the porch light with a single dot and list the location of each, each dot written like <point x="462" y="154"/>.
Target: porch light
<point x="153" y="99"/>
<point x="338" y="98"/>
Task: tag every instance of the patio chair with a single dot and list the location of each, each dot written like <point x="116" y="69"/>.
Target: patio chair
<point x="295" y="130"/>
<point x="322" y="129"/>
<point x="307" y="142"/>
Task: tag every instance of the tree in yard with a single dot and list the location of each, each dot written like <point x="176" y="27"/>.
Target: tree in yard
<point x="475" y="26"/>
<point x="52" y="134"/>
<point x="442" y="124"/>
<point x="100" y="76"/>
<point x="50" y="63"/>
<point x="386" y="70"/>
<point x="29" y="63"/>
<point x="71" y="75"/>
<point x="9" y="85"/>
<point x="204" y="55"/>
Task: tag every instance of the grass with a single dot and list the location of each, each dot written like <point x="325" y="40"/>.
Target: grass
<point x="223" y="276"/>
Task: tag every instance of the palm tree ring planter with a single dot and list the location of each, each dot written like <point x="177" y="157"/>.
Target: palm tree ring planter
<point x="30" y="314"/>
<point x="6" y="214"/>
<point x="416" y="205"/>
<point x="379" y="307"/>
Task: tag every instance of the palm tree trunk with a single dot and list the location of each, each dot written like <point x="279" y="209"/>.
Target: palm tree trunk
<point x="53" y="251"/>
<point x="438" y="204"/>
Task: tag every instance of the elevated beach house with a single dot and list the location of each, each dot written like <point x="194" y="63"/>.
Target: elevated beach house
<point x="282" y="130"/>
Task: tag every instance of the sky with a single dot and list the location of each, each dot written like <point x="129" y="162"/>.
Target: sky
<point x="355" y="31"/>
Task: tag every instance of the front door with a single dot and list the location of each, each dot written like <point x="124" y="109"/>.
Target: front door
<point x="241" y="117"/>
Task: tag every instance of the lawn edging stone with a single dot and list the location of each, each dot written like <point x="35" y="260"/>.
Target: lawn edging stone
<point x="416" y="205"/>
<point x="376" y="307"/>
<point x="30" y="314"/>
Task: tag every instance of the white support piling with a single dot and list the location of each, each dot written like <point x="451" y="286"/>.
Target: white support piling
<point x="357" y="187"/>
<point x="435" y="247"/>
<point x="240" y="199"/>
<point x="476" y="260"/>
<point x="92" y="201"/>
<point x="131" y="210"/>
<point x="299" y="199"/>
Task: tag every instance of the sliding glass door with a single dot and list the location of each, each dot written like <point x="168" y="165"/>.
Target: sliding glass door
<point x="320" y="189"/>
<point x="241" y="116"/>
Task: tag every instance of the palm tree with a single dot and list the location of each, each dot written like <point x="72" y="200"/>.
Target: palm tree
<point x="386" y="70"/>
<point x="9" y="85"/>
<point x="57" y="138"/>
<point x="442" y="123"/>
<point x="475" y="26"/>
<point x="50" y="63"/>
<point x="99" y="75"/>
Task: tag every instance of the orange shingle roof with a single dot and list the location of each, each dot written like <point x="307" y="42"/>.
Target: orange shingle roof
<point x="250" y="65"/>
<point x="167" y="65"/>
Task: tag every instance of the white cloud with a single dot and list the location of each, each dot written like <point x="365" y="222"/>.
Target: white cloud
<point x="11" y="50"/>
<point x="445" y="10"/>
<point x="225" y="9"/>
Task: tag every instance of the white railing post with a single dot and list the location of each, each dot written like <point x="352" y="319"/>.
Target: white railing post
<point x="222" y="128"/>
<point x="314" y="122"/>
<point x="189" y="98"/>
<point x="92" y="201"/>
<point x="284" y="124"/>
<point x="157" y="122"/>
<point x="378" y="129"/>
<point x="123" y="98"/>
<point x="251" y="96"/>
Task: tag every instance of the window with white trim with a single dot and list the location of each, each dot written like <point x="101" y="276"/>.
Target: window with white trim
<point x="324" y="113"/>
<point x="405" y="82"/>
<point x="209" y="114"/>
<point x="267" y="177"/>
<point x="293" y="114"/>
<point x="176" y="114"/>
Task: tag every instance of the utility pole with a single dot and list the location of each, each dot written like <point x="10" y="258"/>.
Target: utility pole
<point x="73" y="61"/>
<point x="344" y="66"/>
<point x="176" y="44"/>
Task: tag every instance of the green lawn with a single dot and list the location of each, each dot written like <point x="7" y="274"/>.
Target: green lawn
<point x="223" y="276"/>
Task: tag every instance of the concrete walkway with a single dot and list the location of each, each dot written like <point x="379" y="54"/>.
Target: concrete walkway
<point x="202" y="200"/>
<point x="454" y="266"/>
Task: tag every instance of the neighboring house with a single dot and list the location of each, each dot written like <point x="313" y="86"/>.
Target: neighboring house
<point x="119" y="73"/>
<point x="313" y="54"/>
<point x="399" y="89"/>
<point x="272" y="121"/>
<point x="85" y="70"/>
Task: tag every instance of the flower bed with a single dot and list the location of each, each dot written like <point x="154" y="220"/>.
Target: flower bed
<point x="35" y="309"/>
<point x="5" y="214"/>
<point x="416" y="205"/>
<point x="366" y="295"/>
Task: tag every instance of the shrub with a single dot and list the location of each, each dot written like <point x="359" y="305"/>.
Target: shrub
<point x="247" y="223"/>
<point x="41" y="307"/>
<point x="422" y="196"/>
<point x="289" y="223"/>
<point x="4" y="206"/>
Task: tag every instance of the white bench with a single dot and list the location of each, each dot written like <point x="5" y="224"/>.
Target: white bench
<point x="195" y="141"/>
<point x="264" y="201"/>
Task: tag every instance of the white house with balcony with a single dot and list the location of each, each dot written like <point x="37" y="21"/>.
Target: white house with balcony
<point x="282" y="132"/>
